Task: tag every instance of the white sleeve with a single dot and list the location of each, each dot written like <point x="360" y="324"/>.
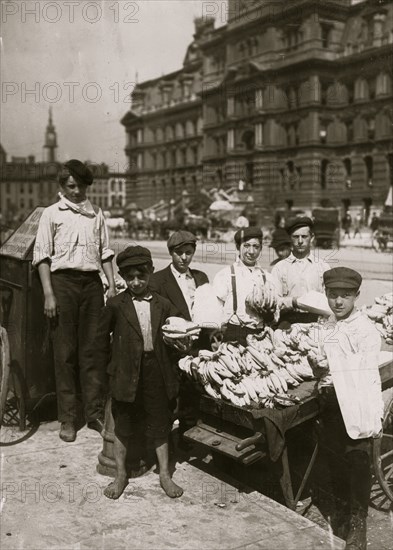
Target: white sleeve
<point x="222" y="284"/>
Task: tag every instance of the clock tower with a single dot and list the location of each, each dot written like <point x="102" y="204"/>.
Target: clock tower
<point x="50" y="140"/>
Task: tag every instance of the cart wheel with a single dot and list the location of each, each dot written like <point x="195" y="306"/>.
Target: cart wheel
<point x="383" y="453"/>
<point x="4" y="369"/>
<point x="15" y="426"/>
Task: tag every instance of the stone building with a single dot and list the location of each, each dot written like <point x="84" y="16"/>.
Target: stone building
<point x="26" y="183"/>
<point x="109" y="189"/>
<point x="295" y="99"/>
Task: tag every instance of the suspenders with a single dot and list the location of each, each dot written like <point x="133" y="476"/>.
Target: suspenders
<point x="234" y="291"/>
<point x="234" y="294"/>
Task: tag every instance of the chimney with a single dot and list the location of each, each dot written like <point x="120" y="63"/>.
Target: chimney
<point x="203" y="25"/>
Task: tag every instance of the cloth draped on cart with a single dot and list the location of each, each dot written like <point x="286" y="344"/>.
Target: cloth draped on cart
<point x="277" y="422"/>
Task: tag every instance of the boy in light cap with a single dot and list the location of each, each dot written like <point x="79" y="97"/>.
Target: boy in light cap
<point x="351" y="403"/>
<point x="143" y="378"/>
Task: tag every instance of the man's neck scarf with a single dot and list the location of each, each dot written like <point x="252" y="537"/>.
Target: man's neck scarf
<point x="85" y="207"/>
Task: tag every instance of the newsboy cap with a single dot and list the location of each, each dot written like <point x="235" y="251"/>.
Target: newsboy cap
<point x="342" y="277"/>
<point x="279" y="238"/>
<point x="298" y="222"/>
<point x="247" y="233"/>
<point x="178" y="238"/>
<point x="134" y="255"/>
<point x="79" y="171"/>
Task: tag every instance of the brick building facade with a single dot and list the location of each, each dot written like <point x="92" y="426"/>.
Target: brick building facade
<point x="294" y="98"/>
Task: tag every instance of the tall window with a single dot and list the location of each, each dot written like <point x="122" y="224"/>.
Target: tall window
<point x="325" y="36"/>
<point x="323" y="132"/>
<point x="259" y="99"/>
<point x="231" y="106"/>
<point x="231" y="139"/>
<point x="368" y="160"/>
<point x="348" y="173"/>
<point x="371" y="129"/>
<point x="324" y="167"/>
<point x="259" y="134"/>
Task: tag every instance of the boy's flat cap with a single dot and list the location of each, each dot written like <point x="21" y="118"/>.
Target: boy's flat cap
<point x="79" y="171"/>
<point x="178" y="238"/>
<point x="342" y="277"/>
<point x="246" y="233"/>
<point x="298" y="222"/>
<point x="134" y="255"/>
<point x="279" y="238"/>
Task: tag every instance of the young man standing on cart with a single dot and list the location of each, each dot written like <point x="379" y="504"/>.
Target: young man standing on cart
<point x="300" y="272"/>
<point x="234" y="283"/>
<point x="351" y="404"/>
<point x="71" y="248"/>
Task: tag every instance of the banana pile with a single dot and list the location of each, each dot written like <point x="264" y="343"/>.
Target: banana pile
<point x="381" y="312"/>
<point x="259" y="375"/>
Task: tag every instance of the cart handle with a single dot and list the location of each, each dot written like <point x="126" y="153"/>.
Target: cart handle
<point x="258" y="436"/>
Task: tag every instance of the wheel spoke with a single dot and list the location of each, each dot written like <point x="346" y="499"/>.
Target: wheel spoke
<point x="388" y="473"/>
<point x="385" y="455"/>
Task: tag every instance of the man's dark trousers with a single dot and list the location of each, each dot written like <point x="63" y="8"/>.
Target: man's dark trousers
<point x="79" y="296"/>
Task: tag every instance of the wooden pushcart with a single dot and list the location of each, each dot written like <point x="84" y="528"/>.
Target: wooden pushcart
<point x="26" y="365"/>
<point x="243" y="433"/>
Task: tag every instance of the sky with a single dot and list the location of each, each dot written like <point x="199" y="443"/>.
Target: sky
<point x="82" y="58"/>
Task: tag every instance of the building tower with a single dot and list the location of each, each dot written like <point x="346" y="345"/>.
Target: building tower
<point x="50" y="140"/>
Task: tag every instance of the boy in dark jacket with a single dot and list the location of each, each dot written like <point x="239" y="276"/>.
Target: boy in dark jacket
<point x="178" y="282"/>
<point x="143" y="378"/>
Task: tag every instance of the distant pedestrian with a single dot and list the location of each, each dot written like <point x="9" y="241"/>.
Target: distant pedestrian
<point x="346" y="223"/>
<point x="281" y="243"/>
<point x="71" y="248"/>
<point x="374" y="222"/>
<point x="357" y="224"/>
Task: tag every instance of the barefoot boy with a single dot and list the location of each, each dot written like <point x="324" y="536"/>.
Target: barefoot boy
<point x="351" y="403"/>
<point x="143" y="378"/>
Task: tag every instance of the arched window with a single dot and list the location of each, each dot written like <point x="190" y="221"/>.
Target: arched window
<point x="248" y="138"/>
<point x="361" y="89"/>
<point x="383" y="84"/>
<point x="371" y="129"/>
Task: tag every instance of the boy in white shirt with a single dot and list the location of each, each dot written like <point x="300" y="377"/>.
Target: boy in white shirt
<point x="351" y="402"/>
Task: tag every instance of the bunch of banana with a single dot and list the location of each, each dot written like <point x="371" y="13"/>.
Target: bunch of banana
<point x="259" y="374"/>
<point x="270" y="402"/>
<point x="263" y="297"/>
<point x="381" y="312"/>
<point x="386" y="328"/>
<point x="385" y="300"/>
<point x="377" y="312"/>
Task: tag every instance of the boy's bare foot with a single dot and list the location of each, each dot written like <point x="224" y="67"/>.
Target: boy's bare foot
<point x="115" y="489"/>
<point x="170" y="487"/>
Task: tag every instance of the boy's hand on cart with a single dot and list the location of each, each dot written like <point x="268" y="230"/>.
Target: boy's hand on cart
<point x="51" y="309"/>
<point x="318" y="364"/>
